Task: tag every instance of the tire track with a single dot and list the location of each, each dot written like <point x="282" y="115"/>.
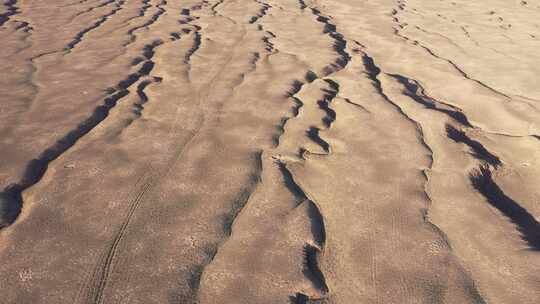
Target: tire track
<point x="11" y="196"/>
<point x="105" y="267"/>
<point x="95" y="293"/>
<point x="11" y="200"/>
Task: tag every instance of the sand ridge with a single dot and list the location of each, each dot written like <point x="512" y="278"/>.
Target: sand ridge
<point x="248" y="151"/>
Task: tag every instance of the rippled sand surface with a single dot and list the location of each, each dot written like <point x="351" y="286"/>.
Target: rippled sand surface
<point x="250" y="151"/>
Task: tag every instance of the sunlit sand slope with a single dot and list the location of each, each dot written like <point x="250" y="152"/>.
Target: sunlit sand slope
<point x="249" y="151"/>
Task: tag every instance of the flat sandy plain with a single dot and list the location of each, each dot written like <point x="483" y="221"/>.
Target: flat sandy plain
<point x="277" y="151"/>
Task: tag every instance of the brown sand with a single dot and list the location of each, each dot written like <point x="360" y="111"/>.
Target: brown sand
<point x="249" y="151"/>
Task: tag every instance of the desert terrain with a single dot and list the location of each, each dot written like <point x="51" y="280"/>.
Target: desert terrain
<point x="276" y="151"/>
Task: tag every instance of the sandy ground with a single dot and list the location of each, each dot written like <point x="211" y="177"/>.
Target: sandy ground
<point x="239" y="151"/>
